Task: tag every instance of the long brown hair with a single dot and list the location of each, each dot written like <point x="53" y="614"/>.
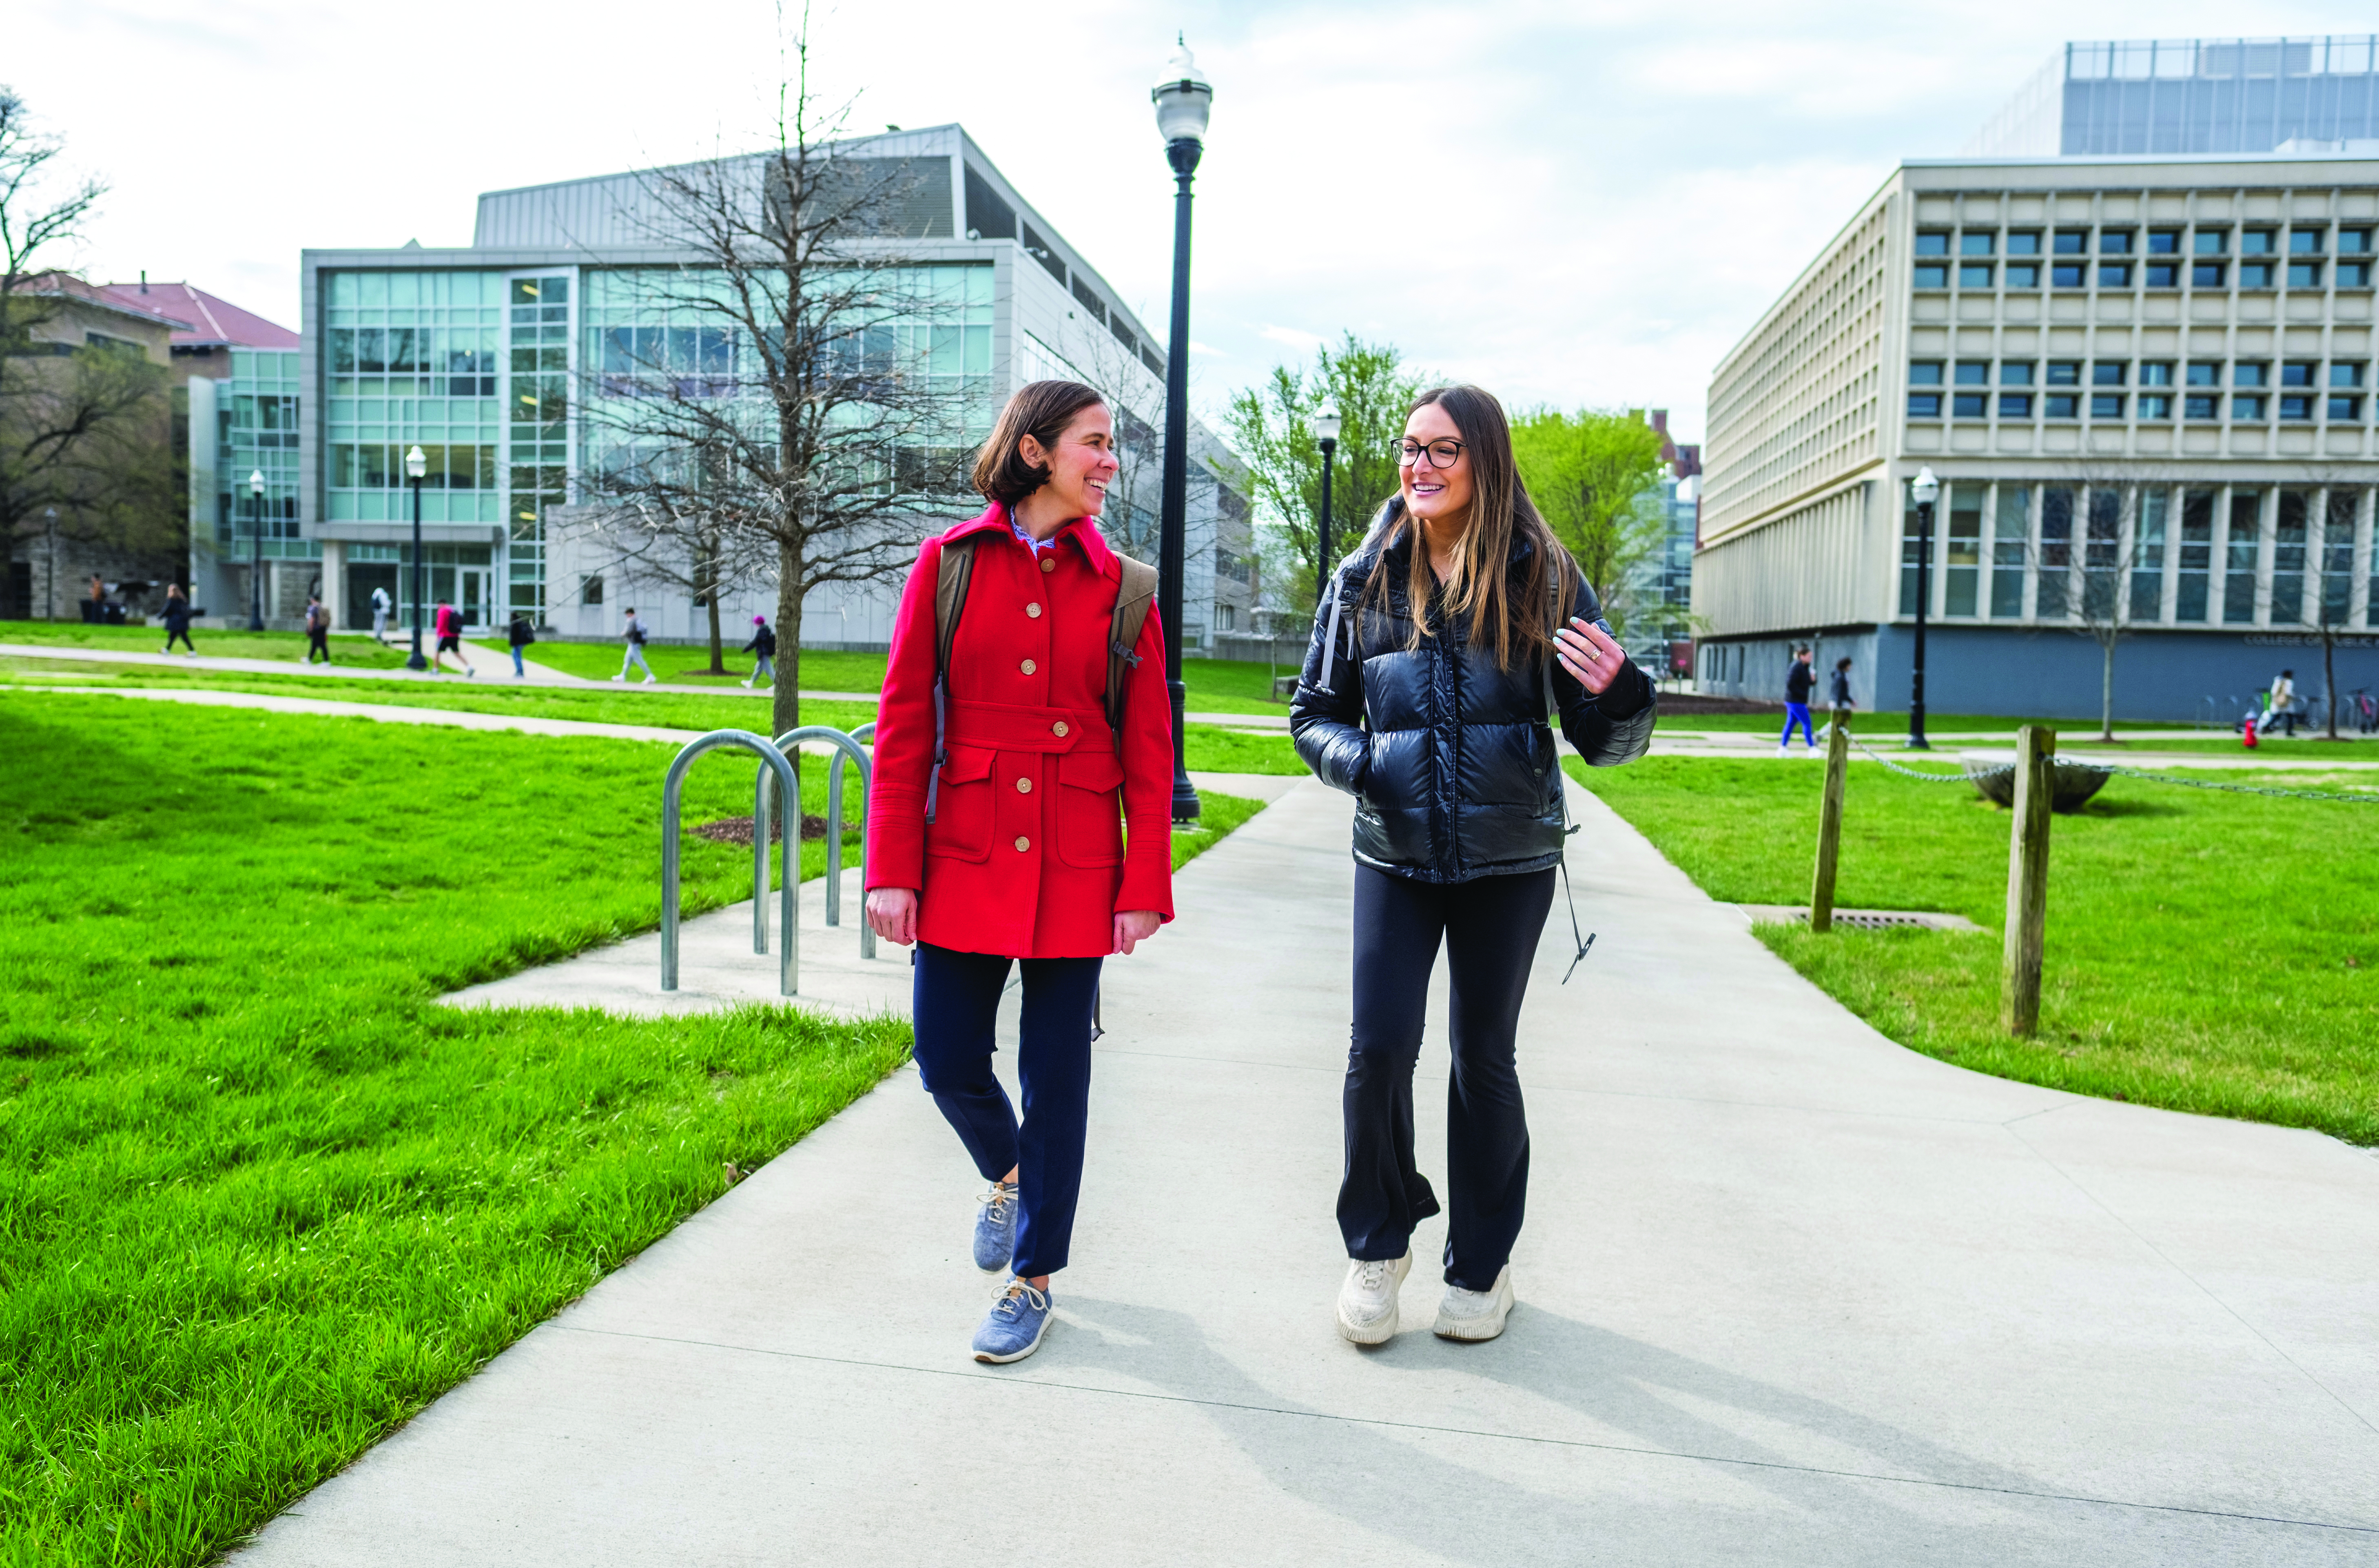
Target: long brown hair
<point x="1508" y="612"/>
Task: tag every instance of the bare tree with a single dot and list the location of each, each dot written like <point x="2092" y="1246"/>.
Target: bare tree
<point x="2330" y="557"/>
<point x="1136" y="395"/>
<point x="647" y="535"/>
<point x="2111" y="525"/>
<point x="792" y="401"/>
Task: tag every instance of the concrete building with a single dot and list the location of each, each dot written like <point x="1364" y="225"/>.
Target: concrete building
<point x="2193" y="96"/>
<point x="484" y="355"/>
<point x="2146" y="385"/>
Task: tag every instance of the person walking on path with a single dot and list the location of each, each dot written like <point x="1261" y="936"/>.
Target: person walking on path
<point x="2280" y="704"/>
<point x="635" y="655"/>
<point x="178" y="619"/>
<point x="519" y="634"/>
<point x="1840" y="696"/>
<point x="318" y="629"/>
<point x="762" y="648"/>
<point x="448" y="623"/>
<point x="1799" y="681"/>
<point x="1024" y="725"/>
<point x="1435" y="658"/>
<point x="380" y="615"/>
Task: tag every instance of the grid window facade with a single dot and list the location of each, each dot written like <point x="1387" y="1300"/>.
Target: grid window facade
<point x="256" y="432"/>
<point x="409" y="359"/>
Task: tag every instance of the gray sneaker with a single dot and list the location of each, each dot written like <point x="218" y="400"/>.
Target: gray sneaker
<point x="1475" y="1314"/>
<point x="1367" y="1301"/>
<point x="1012" y="1329"/>
<point x="995" y="1229"/>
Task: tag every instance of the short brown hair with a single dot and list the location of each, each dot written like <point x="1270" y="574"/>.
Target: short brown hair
<point x="1042" y="410"/>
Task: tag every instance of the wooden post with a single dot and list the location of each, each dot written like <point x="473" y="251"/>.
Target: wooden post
<point x="2027" y="902"/>
<point x="1829" y="828"/>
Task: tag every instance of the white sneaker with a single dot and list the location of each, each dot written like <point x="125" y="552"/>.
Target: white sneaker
<point x="747" y="685"/>
<point x="1475" y="1314"/>
<point x="621" y="677"/>
<point x="650" y="679"/>
<point x="1783" y="751"/>
<point x="1366" y="1302"/>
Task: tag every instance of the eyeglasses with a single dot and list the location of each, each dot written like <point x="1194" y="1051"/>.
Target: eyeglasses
<point x="1441" y="454"/>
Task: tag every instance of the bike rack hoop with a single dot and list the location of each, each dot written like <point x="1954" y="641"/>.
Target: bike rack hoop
<point x="773" y="760"/>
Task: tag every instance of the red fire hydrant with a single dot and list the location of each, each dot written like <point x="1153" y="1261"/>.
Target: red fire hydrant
<point x="2250" y="731"/>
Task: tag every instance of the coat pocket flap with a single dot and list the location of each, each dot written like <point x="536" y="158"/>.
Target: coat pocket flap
<point x="968" y="764"/>
<point x="1090" y="769"/>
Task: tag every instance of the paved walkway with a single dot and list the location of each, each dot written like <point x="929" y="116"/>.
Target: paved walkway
<point x="1789" y="1295"/>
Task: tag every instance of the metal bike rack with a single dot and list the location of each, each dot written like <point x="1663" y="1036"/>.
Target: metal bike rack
<point x="848" y="748"/>
<point x="772" y="760"/>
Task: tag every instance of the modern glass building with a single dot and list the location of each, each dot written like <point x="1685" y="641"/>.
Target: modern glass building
<point x="2194" y="95"/>
<point x="2150" y="389"/>
<point x="498" y="360"/>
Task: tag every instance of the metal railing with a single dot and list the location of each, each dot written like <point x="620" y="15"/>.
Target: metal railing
<point x="772" y="762"/>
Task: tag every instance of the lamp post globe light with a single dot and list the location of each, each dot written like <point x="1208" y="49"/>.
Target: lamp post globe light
<point x="1925" y="490"/>
<point x="256" y="551"/>
<point x="1325" y="430"/>
<point x="1182" y="98"/>
<point x="416" y="465"/>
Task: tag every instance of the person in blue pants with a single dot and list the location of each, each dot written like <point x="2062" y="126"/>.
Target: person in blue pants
<point x="1798" y="682"/>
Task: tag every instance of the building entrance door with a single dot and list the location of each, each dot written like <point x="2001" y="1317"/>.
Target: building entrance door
<point x="475" y="598"/>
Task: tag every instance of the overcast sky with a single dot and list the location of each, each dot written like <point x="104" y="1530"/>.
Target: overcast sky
<point x="1578" y="203"/>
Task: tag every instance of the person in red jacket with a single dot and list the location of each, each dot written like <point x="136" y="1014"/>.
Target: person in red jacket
<point x="1015" y="847"/>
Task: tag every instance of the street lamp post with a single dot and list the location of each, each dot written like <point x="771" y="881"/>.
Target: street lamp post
<point x="256" y="550"/>
<point x="50" y="515"/>
<point x="416" y="465"/>
<point x="1183" y="100"/>
<point x="1925" y="491"/>
<point x="1325" y="427"/>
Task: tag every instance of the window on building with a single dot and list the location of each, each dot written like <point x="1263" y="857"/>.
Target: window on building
<point x="2196" y="555"/>
<point x="1973" y="274"/>
<point x="2011" y="543"/>
<point x="1971" y="405"/>
<point x="2288" y="558"/>
<point x="1932" y="274"/>
<point x="2353" y="242"/>
<point x="2061" y="405"/>
<point x="2201" y="405"/>
<point x="2114" y="274"/>
<point x="2295" y="405"/>
<point x="2210" y="242"/>
<point x="2115" y="242"/>
<point x="2337" y="556"/>
<point x="1977" y="243"/>
<point x="2148" y="554"/>
<point x="2015" y="405"/>
<point x="2258" y="242"/>
<point x="2207" y="275"/>
<point x="2345" y="373"/>
<point x="2156" y="407"/>
<point x="2304" y="274"/>
<point x="2345" y="410"/>
<point x="2102" y="556"/>
<point x="2254" y="274"/>
<point x="2251" y="373"/>
<point x="590" y="590"/>
<point x="2162" y="274"/>
<point x="2068" y="275"/>
<point x="1974" y="372"/>
<point x="2164" y="242"/>
<point x="2304" y="242"/>
<point x="2109" y="373"/>
<point x="1963" y="557"/>
<point x="2299" y="373"/>
<point x="2072" y="242"/>
<point x="2205" y="372"/>
<point x="2015" y="372"/>
<point x="2353" y="274"/>
<point x="2106" y="405"/>
<point x="2065" y="372"/>
<point x="2023" y="275"/>
<point x="2238" y="558"/>
<point x="2050" y="597"/>
<point x="2155" y="373"/>
<point x="1924" y="373"/>
<point x="1925" y="405"/>
<point x="1932" y="243"/>
<point x="2023" y="242"/>
<point x="2247" y="408"/>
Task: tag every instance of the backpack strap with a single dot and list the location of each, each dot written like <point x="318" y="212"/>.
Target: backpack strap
<point x="1559" y="581"/>
<point x="1133" y="596"/>
<point x="954" y="569"/>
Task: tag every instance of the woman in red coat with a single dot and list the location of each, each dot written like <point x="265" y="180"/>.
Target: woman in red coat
<point x="1014" y="847"/>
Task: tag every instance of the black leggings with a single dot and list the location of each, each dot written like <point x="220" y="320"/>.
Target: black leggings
<point x="184" y="633"/>
<point x="1490" y="926"/>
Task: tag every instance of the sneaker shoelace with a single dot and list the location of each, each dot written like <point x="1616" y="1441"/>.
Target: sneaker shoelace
<point x="999" y="1199"/>
<point x="1374" y="1275"/>
<point x="1010" y="1304"/>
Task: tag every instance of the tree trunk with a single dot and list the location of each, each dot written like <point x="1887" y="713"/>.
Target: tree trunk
<point x="710" y="597"/>
<point x="2329" y="673"/>
<point x="2106" y="693"/>
<point x="787" y="689"/>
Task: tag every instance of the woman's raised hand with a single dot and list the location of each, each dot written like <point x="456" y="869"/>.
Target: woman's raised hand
<point x="1589" y="655"/>
<point x="893" y="913"/>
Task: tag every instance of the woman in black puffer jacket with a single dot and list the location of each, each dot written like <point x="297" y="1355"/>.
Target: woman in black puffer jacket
<point x="1426" y="696"/>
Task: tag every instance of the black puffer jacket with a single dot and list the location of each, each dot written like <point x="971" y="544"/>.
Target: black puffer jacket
<point x="1452" y="769"/>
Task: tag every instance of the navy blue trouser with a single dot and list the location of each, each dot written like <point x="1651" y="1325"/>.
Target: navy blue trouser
<point x="1490" y="926"/>
<point x="956" y="1001"/>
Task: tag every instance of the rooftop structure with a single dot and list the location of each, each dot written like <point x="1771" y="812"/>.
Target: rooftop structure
<point x="2193" y="95"/>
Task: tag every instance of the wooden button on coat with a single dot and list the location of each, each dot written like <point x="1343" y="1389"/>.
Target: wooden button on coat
<point x="1028" y="667"/>
<point x="1033" y="610"/>
<point x="1024" y="786"/>
<point x="1058" y="728"/>
<point x="1023" y="843"/>
<point x="1049" y="564"/>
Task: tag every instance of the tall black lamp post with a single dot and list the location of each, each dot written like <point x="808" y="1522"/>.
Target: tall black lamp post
<point x="1925" y="490"/>
<point x="1183" y="99"/>
<point x="1326" y="428"/>
<point x="416" y="465"/>
<point x="256" y="551"/>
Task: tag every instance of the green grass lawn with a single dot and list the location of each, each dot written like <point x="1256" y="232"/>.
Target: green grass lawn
<point x="360" y="652"/>
<point x="2207" y="952"/>
<point x="1891" y="729"/>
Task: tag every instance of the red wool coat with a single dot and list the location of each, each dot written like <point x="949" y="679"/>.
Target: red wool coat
<point x="1026" y="856"/>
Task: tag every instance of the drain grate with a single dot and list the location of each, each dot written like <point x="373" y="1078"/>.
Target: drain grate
<point x="1865" y="919"/>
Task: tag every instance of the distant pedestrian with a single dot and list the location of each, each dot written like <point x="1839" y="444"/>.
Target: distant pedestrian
<point x="520" y="634"/>
<point x="1840" y="696"/>
<point x="381" y="606"/>
<point x="2280" y="704"/>
<point x="318" y="629"/>
<point x="1799" y="681"/>
<point x="448" y="623"/>
<point x="762" y="648"/>
<point x="178" y="619"/>
<point x="635" y="655"/>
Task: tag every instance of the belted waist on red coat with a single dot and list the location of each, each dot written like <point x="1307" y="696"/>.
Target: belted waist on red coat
<point x="1004" y="728"/>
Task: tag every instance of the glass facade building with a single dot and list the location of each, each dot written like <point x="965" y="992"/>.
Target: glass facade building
<point x="2196" y="95"/>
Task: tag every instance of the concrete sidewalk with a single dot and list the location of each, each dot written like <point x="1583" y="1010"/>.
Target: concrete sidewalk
<point x="1789" y="1295"/>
